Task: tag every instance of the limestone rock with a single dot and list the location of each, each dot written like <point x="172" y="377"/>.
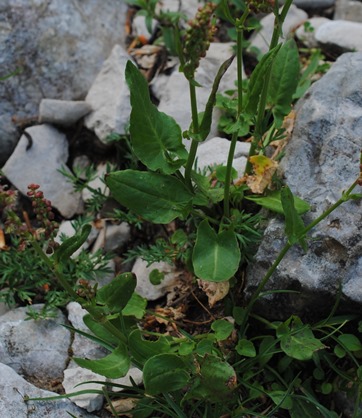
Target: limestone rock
<point x="58" y="48"/>
<point x="215" y="152"/>
<point x="308" y="36"/>
<point x="262" y="38"/>
<point x="145" y="288"/>
<point x="312" y="4"/>
<point x="348" y="10"/>
<point x="90" y="401"/>
<point x="174" y="98"/>
<point x="340" y="36"/>
<point x="62" y="112"/>
<point x="81" y="346"/>
<point x="38" y="349"/>
<point x="13" y="388"/>
<point x="109" y="97"/>
<point x="40" y="164"/>
<point x="321" y="160"/>
<point x="8" y="137"/>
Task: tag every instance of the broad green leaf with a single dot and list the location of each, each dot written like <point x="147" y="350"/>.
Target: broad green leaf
<point x="294" y="225"/>
<point x="273" y="202"/>
<point x="245" y="348"/>
<point x="350" y="342"/>
<point x="118" y="292"/>
<point x="99" y="330"/>
<point x="156" y="197"/>
<point x="284" y="80"/>
<point x="142" y="349"/>
<point x="222" y="329"/>
<point x="156" y="137"/>
<point x="281" y="398"/>
<point x="215" y="257"/>
<point x="299" y="342"/>
<point x="221" y="173"/>
<point x="156" y="277"/>
<point x="165" y="373"/>
<point x="216" y="379"/>
<point x="113" y="366"/>
<point x="257" y="80"/>
<point x="72" y="244"/>
<point x="136" y="306"/>
<point x="207" y="116"/>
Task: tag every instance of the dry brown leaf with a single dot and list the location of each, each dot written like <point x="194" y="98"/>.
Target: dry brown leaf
<point x="123" y="405"/>
<point x="214" y="291"/>
<point x="263" y="168"/>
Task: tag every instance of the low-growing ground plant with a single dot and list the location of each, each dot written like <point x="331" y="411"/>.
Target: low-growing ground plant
<point x="236" y="364"/>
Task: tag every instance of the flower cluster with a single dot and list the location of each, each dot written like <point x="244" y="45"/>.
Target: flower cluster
<point x="261" y="6"/>
<point x="197" y="38"/>
<point x="43" y="210"/>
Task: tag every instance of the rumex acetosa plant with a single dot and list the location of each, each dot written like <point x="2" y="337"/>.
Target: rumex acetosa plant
<point x="230" y="369"/>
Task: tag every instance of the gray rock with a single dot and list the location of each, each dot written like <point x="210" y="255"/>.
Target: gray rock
<point x="313" y="4"/>
<point x="8" y="137"/>
<point x="90" y="401"/>
<point x="308" y="36"/>
<point x="262" y="38"/>
<point x="109" y="97"/>
<point x="134" y="373"/>
<point x="187" y="7"/>
<point x="139" y="27"/>
<point x="40" y="164"/>
<point x="215" y="152"/>
<point x="38" y="349"/>
<point x="59" y="46"/>
<point x="97" y="183"/>
<point x="62" y="112"/>
<point x="145" y="288"/>
<point x="13" y="388"/>
<point x="175" y="100"/>
<point x="340" y="36"/>
<point x="321" y="160"/>
<point x="348" y="10"/>
<point x="81" y="346"/>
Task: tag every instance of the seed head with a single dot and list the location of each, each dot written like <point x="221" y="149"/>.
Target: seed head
<point x="197" y="38"/>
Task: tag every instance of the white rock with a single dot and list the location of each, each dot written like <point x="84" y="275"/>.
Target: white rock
<point x="109" y="97"/>
<point x="90" y="401"/>
<point x="145" y="288"/>
<point x="134" y="373"/>
<point x="187" y="7"/>
<point x="308" y="36"/>
<point x="261" y="39"/>
<point x="40" y="164"/>
<point x="348" y="10"/>
<point x="97" y="183"/>
<point x="215" y="152"/>
<point x="81" y="346"/>
<point x="34" y="348"/>
<point x="312" y="4"/>
<point x="175" y="98"/>
<point x="116" y="236"/>
<point x="139" y="27"/>
<point x="341" y="34"/>
<point x="13" y="388"/>
<point x="62" y="112"/>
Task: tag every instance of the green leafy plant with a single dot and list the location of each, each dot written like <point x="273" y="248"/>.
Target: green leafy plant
<point x="239" y="366"/>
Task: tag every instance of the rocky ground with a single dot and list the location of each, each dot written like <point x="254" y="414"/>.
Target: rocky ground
<point x="72" y="59"/>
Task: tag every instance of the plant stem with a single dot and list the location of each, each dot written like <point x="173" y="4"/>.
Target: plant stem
<point x="62" y="280"/>
<point x="258" y="132"/>
<point x="69" y="289"/>
<point x="195" y="131"/>
<point x="239" y="61"/>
